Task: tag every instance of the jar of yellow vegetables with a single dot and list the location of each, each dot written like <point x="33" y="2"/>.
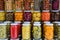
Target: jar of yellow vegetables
<point x="26" y="26"/>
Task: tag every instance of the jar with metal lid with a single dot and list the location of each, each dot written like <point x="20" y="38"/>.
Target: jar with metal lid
<point x="36" y="31"/>
<point x="36" y="16"/>
<point x="48" y="31"/>
<point x="3" y="30"/>
<point x="26" y="31"/>
<point x="2" y="16"/>
<point x="14" y="30"/>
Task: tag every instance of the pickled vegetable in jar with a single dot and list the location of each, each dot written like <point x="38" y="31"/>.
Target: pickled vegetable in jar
<point x="18" y="16"/>
<point x="45" y="16"/>
<point x="27" y="5"/>
<point x="48" y="31"/>
<point x="3" y="31"/>
<point x="18" y="4"/>
<point x="36" y="4"/>
<point x="55" y="4"/>
<point x="56" y="28"/>
<point x="2" y="16"/>
<point x="27" y="16"/>
<point x="9" y="16"/>
<point x="8" y="5"/>
<point x="36" y="16"/>
<point x="8" y="26"/>
<point x="58" y="31"/>
<point x="26" y="31"/>
<point x="55" y="16"/>
<point x="14" y="30"/>
<point x="1" y="4"/>
<point x="36" y="30"/>
<point x="46" y="4"/>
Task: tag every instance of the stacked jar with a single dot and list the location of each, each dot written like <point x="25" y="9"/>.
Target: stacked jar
<point x="37" y="31"/>
<point x="36" y="16"/>
<point x="48" y="31"/>
<point x="26" y="26"/>
<point x="45" y="15"/>
<point x="18" y="16"/>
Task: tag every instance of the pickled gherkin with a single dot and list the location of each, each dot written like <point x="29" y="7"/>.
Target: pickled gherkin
<point x="36" y="30"/>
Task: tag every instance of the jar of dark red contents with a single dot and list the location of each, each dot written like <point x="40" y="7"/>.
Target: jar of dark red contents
<point x="1" y="4"/>
<point x="55" y="16"/>
<point x="14" y="30"/>
<point x="27" y="5"/>
<point x="55" y="4"/>
<point x="46" y="4"/>
<point x="9" y="16"/>
<point x="45" y="15"/>
<point x="27" y="16"/>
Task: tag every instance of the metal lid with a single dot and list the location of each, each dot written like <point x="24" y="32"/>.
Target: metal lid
<point x="27" y="22"/>
<point x="47" y="22"/>
<point x="45" y="11"/>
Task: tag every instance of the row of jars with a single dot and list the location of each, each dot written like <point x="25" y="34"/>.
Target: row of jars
<point x="29" y="16"/>
<point x="28" y="30"/>
<point x="29" y="5"/>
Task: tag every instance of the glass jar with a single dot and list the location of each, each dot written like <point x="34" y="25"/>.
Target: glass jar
<point x="58" y="32"/>
<point x="27" y="16"/>
<point x="18" y="16"/>
<point x="55" y="4"/>
<point x="2" y="16"/>
<point x="8" y="5"/>
<point x="14" y="30"/>
<point x="46" y="4"/>
<point x="1" y="5"/>
<point x="36" y="16"/>
<point x="48" y="31"/>
<point x="37" y="31"/>
<point x="45" y="15"/>
<point x="36" y="5"/>
<point x="9" y="16"/>
<point x="3" y="30"/>
<point x="26" y="31"/>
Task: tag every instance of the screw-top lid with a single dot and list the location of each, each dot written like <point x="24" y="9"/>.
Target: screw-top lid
<point x="3" y="23"/>
<point x="56" y="22"/>
<point x="14" y="23"/>
<point x="27" y="22"/>
<point x="45" y="11"/>
<point x="7" y="22"/>
<point x="47" y="22"/>
<point x="17" y="22"/>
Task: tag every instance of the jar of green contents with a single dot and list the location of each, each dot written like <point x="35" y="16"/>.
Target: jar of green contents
<point x="37" y="30"/>
<point x="3" y="31"/>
